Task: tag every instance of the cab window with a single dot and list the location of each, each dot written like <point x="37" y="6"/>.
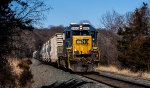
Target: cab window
<point x="76" y="32"/>
<point x="67" y="34"/>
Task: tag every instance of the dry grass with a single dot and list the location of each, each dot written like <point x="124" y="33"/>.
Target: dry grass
<point x="146" y="75"/>
<point x="14" y="62"/>
<point x="127" y="72"/>
<point x="20" y="70"/>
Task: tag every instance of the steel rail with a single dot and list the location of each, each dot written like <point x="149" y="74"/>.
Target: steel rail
<point x="113" y="82"/>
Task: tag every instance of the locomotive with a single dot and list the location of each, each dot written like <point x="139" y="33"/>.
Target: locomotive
<point x="75" y="49"/>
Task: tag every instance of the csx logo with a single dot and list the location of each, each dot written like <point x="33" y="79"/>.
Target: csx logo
<point x="82" y="41"/>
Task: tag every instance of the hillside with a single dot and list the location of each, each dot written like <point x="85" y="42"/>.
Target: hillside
<point x="33" y="40"/>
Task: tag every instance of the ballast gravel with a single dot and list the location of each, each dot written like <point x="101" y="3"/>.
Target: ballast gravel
<point x="46" y="76"/>
<point x="135" y="80"/>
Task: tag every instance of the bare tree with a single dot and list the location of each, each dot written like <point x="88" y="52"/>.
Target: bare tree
<point x="112" y="21"/>
<point x="16" y="15"/>
<point x="29" y="12"/>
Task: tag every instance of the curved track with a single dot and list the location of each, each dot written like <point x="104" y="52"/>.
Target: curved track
<point x="110" y="81"/>
<point x="113" y="82"/>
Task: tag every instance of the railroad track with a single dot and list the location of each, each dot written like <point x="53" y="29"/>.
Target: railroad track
<point x="108" y="80"/>
<point x="114" y="82"/>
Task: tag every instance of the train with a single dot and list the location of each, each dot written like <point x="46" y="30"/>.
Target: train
<point x="75" y="49"/>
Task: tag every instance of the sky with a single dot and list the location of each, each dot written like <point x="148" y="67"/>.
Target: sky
<point x="64" y="12"/>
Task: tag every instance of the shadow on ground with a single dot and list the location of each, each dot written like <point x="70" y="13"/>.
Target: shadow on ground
<point x="72" y="83"/>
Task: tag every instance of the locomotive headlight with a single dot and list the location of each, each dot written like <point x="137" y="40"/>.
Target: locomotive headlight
<point x="76" y="52"/>
<point x="80" y="27"/>
<point x="75" y="49"/>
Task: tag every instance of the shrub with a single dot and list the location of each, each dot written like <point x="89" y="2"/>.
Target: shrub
<point x="26" y="74"/>
<point x="25" y="77"/>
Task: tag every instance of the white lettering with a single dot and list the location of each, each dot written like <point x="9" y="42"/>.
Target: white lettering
<point x="86" y="28"/>
<point x="75" y="28"/>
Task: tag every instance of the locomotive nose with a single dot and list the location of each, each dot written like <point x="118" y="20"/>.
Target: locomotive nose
<point x="82" y="44"/>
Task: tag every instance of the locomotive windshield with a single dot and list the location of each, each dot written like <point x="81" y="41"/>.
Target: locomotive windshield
<point x="81" y="33"/>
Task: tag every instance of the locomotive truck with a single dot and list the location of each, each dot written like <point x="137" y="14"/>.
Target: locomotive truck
<point x="75" y="49"/>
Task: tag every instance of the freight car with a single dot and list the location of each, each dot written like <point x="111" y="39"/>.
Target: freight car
<point x="76" y="48"/>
